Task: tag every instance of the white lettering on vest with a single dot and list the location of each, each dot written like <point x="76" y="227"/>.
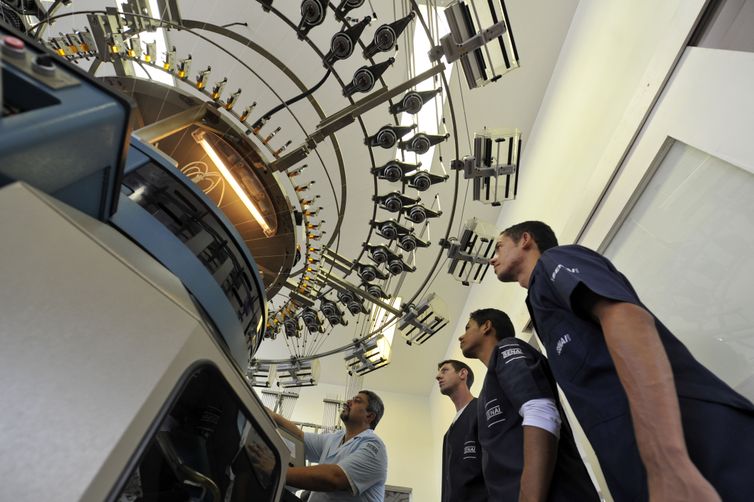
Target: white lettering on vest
<point x="493" y="412"/>
<point x="561" y="343"/>
<point x="559" y="267"/>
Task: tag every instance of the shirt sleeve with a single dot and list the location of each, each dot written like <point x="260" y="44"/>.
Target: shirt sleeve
<point x="520" y="372"/>
<point x="366" y="466"/>
<point x="314" y="445"/>
<point x="542" y="413"/>
<point x="568" y="267"/>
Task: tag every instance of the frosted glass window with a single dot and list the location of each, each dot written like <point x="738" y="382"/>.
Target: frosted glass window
<point x="688" y="248"/>
<point x="727" y="25"/>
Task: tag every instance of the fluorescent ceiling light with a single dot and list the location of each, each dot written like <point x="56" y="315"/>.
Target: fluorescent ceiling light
<point x="201" y="138"/>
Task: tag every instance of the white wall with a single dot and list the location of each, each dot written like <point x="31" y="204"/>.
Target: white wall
<point x="404" y="429"/>
<point x="614" y="62"/>
<point x="612" y="66"/>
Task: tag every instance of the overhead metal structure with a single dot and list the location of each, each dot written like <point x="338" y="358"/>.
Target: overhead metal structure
<point x="266" y="169"/>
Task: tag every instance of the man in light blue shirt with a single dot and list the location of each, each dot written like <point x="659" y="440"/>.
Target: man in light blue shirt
<point x="352" y="463"/>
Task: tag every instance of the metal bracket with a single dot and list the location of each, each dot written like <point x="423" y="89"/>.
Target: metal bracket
<point x="162" y="128"/>
<point x="471" y="171"/>
<point x="453" y="50"/>
<point x="455" y="247"/>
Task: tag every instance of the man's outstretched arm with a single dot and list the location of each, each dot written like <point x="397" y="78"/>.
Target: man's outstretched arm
<point x="646" y="375"/>
<point x="321" y="478"/>
<point x="286" y="424"/>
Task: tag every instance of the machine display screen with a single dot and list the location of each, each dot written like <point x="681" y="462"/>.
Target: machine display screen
<point x="208" y="447"/>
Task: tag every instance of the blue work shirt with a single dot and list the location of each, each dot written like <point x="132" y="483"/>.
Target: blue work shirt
<point x="363" y="458"/>
<point x="517" y="374"/>
<point x="718" y="423"/>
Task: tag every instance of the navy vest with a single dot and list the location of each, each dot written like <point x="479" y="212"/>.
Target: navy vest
<point x="718" y="423"/>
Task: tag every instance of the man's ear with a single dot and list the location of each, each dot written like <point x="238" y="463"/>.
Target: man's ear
<point x="464" y="374"/>
<point x="528" y="243"/>
<point x="526" y="240"/>
<point x="486" y="327"/>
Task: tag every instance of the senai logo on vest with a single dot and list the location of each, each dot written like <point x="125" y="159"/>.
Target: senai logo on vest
<point x="561" y="343"/>
<point x="560" y="267"/>
<point x="493" y="412"/>
<point x="511" y="352"/>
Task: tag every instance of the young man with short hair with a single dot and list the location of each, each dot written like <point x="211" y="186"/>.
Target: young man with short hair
<point x="462" y="478"/>
<point x="530" y="453"/>
<point x="662" y="425"/>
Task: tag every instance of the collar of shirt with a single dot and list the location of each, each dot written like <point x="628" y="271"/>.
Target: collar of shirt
<point x="458" y="413"/>
<point x="336" y="443"/>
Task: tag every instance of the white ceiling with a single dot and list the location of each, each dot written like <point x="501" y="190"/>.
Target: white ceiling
<point x="513" y="101"/>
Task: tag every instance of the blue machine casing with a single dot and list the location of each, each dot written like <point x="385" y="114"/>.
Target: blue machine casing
<point x="68" y="141"/>
<point x="69" y="136"/>
<point x="164" y="212"/>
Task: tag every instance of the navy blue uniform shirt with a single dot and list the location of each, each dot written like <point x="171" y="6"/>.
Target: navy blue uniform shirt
<point x="718" y="423"/>
<point x="518" y="373"/>
<point x="462" y="479"/>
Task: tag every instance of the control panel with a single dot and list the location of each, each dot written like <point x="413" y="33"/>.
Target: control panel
<point x="61" y="131"/>
<point x="41" y="67"/>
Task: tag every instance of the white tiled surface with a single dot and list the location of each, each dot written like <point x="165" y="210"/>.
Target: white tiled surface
<point x="688" y="248"/>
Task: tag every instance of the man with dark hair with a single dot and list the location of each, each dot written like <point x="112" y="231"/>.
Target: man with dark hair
<point x="529" y="450"/>
<point x="662" y="425"/>
<point x="462" y="478"/>
<point x="352" y="463"/>
<point x="375" y="406"/>
<point x="540" y="232"/>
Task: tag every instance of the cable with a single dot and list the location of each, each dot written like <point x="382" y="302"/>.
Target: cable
<point x="237" y="23"/>
<point x="141" y="65"/>
<point x="471" y="149"/>
<point x="463" y="108"/>
<point x="437" y="273"/>
<point x="294" y="99"/>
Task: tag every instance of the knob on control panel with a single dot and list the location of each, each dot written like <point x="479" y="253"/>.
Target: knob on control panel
<point x="44" y="65"/>
<point x="13" y="46"/>
<point x="33" y="61"/>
